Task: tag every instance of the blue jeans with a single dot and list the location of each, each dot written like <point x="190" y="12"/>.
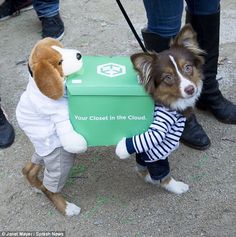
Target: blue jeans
<point x="46" y="8"/>
<point x="164" y="16"/>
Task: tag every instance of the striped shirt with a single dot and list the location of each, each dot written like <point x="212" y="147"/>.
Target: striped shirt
<point x="162" y="136"/>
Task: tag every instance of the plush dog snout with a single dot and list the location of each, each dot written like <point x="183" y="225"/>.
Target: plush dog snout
<point x="189" y="90"/>
<point x="78" y="56"/>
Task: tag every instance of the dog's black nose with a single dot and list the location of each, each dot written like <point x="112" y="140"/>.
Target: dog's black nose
<point x="78" y="56"/>
<point x="189" y="90"/>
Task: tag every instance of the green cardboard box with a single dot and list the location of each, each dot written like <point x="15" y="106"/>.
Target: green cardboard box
<point x="106" y="101"/>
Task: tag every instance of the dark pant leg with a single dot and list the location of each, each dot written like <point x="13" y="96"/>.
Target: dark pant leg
<point x="203" y="7"/>
<point x="46" y="8"/>
<point x="140" y="160"/>
<point x="159" y="169"/>
<point x="164" y="16"/>
<point x="205" y="19"/>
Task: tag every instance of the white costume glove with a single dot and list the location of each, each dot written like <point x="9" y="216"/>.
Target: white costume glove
<point x="70" y="140"/>
<point x="73" y="142"/>
<point x="121" y="150"/>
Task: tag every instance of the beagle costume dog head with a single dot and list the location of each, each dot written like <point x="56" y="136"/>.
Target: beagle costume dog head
<point x="49" y="63"/>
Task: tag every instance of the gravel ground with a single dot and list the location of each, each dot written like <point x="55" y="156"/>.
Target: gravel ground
<point x="114" y="201"/>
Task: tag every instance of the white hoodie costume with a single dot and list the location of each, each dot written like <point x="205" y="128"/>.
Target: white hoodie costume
<point x="44" y="120"/>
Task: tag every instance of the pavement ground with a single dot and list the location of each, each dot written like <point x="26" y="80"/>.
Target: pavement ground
<point x="114" y="201"/>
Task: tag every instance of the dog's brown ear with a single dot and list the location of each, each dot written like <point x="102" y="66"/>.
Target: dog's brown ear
<point x="143" y="65"/>
<point x="187" y="37"/>
<point x="48" y="79"/>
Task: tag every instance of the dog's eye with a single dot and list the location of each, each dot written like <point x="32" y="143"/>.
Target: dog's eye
<point x="168" y="78"/>
<point x="60" y="62"/>
<point x="188" y="68"/>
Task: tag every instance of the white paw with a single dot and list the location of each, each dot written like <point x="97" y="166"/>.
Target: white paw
<point x="73" y="142"/>
<point x="121" y="150"/>
<point x="176" y="187"/>
<point x="72" y="209"/>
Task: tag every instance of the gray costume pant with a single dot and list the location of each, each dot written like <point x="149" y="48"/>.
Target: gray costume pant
<point x="57" y="168"/>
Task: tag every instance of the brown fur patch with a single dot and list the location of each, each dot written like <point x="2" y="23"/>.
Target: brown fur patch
<point x="47" y="71"/>
<point x="166" y="181"/>
<point x="57" y="199"/>
<point x="31" y="171"/>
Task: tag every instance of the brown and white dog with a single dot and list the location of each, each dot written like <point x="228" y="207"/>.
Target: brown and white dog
<point x="42" y="113"/>
<point x="173" y="78"/>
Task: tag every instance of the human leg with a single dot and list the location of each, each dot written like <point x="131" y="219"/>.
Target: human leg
<point x="205" y="19"/>
<point x="7" y="134"/>
<point x="46" y="8"/>
<point x="164" y="16"/>
<point x="48" y="13"/>
<point x="163" y="23"/>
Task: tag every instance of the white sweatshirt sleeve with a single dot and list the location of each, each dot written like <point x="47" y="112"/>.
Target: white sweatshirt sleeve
<point x="57" y="110"/>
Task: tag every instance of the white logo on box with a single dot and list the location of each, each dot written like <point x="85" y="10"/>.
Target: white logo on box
<point x="111" y="69"/>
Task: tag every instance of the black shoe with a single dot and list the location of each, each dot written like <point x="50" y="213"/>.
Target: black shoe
<point x="52" y="27"/>
<point x="14" y="7"/>
<point x="194" y="136"/>
<point x="7" y="134"/>
<point x="155" y="42"/>
<point x="221" y="108"/>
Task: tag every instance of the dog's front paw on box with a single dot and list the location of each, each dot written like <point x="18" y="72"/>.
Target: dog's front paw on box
<point x="74" y="142"/>
<point x="121" y="149"/>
